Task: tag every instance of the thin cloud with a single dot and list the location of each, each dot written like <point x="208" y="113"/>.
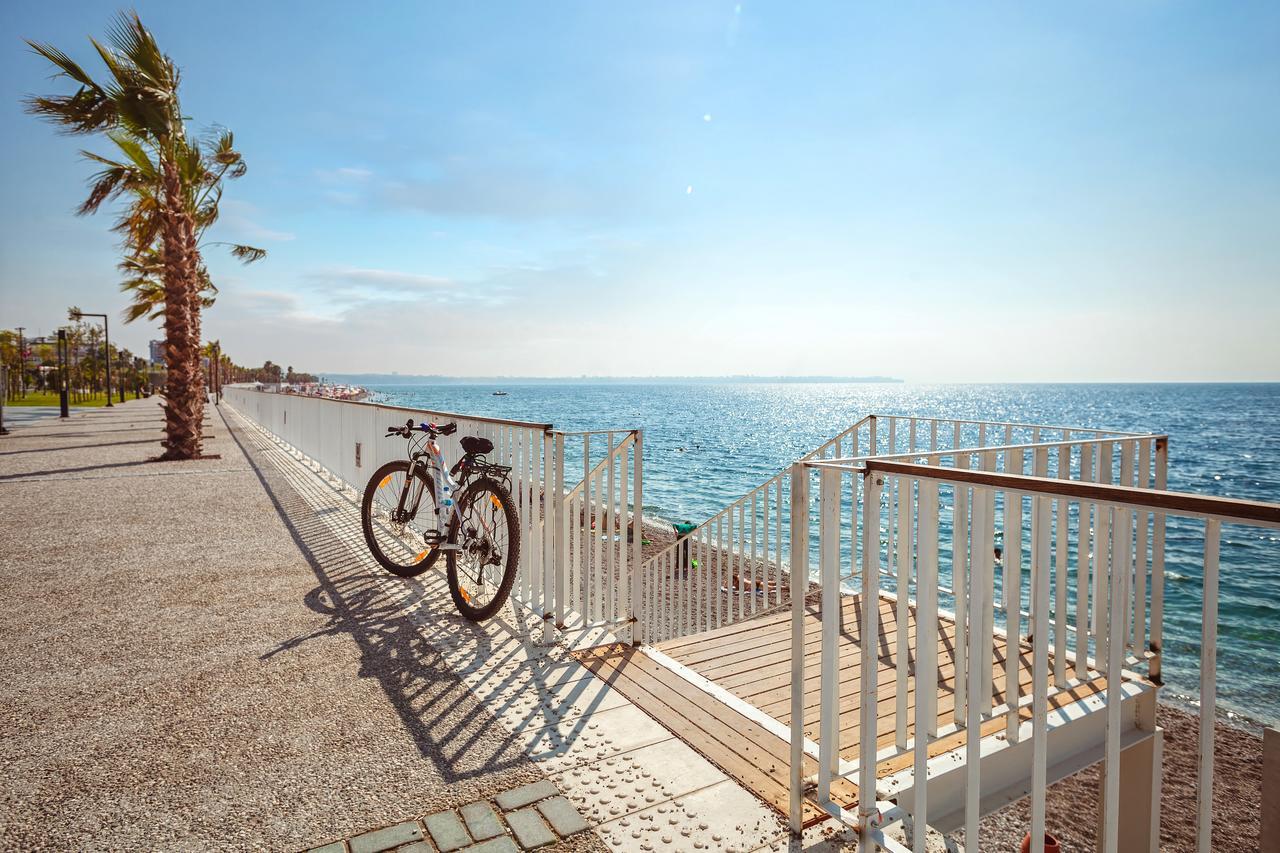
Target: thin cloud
<point x="391" y="281"/>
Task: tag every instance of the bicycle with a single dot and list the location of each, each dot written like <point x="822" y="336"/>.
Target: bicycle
<point x="408" y="502"/>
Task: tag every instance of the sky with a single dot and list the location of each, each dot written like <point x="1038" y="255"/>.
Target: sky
<point x="937" y="192"/>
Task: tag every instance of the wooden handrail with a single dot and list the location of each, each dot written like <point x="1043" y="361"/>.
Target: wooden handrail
<point x="1175" y="503"/>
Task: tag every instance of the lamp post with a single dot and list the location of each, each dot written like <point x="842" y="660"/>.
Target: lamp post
<point x="76" y="314"/>
<point x="64" y="384"/>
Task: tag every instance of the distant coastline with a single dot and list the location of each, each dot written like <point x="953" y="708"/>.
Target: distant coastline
<point x="365" y="379"/>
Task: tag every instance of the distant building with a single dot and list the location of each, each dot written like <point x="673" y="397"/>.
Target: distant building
<point x="157" y="352"/>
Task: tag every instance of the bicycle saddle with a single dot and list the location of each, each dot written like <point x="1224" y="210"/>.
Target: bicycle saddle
<point x="475" y="445"/>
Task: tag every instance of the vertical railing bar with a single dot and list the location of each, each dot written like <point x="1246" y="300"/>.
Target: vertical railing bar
<point x="960" y="562"/>
<point x="584" y="554"/>
<point x="755" y="511"/>
<point x="720" y="582"/>
<point x="1040" y="668"/>
<point x="868" y="706"/>
<point x="1127" y="451"/>
<point x="980" y="590"/>
<point x="829" y="569"/>
<point x="1157" y="564"/>
<point x="1208" y="685"/>
<point x="986" y="663"/>
<point x="926" y="727"/>
<point x="1104" y="559"/>
<point x="1085" y="625"/>
<point x="1062" y="552"/>
<point x="778" y="535"/>
<point x="1115" y="684"/>
<point x="799" y="568"/>
<point x="903" y="579"/>
<point x="741" y="558"/>
<point x="1141" y="552"/>
<point x="610" y="582"/>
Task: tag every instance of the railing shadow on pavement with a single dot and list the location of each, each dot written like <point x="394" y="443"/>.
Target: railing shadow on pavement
<point x="500" y="662"/>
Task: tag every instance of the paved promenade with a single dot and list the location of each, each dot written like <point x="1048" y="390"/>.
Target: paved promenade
<point x="203" y="656"/>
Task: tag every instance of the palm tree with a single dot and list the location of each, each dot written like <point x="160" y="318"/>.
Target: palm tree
<point x="174" y="185"/>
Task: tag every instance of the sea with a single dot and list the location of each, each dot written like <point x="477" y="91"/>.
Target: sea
<point x="708" y="443"/>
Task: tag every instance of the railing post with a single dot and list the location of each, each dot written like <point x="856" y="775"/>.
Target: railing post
<point x="1156" y="641"/>
<point x="870" y="638"/>
<point x="829" y="569"/>
<point x="550" y="523"/>
<point x="926" y="728"/>
<point x="562" y="534"/>
<point x="799" y="587"/>
<point x="1208" y="682"/>
<point x="636" y="610"/>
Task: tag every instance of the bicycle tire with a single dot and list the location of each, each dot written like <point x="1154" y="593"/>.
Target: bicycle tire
<point x="416" y="562"/>
<point x="511" y="559"/>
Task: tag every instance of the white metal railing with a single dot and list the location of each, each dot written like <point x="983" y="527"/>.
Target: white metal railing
<point x="595" y="529"/>
<point x="1074" y="529"/>
<point x="735" y="563"/>
<point x="570" y="574"/>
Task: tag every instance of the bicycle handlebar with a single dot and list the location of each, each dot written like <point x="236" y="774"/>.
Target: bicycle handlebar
<point x="430" y="429"/>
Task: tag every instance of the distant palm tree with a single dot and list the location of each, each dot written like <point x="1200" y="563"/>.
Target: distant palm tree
<point x="173" y="184"/>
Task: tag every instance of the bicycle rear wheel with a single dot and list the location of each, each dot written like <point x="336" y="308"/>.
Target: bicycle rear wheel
<point x="397" y="537"/>
<point x="482" y="569"/>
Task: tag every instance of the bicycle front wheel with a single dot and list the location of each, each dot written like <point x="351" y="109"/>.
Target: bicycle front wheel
<point x="482" y="568"/>
<point x="397" y="515"/>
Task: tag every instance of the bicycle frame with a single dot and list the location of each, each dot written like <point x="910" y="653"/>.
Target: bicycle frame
<point x="445" y="488"/>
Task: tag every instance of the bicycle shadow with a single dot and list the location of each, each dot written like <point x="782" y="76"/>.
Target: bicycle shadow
<point x="432" y="702"/>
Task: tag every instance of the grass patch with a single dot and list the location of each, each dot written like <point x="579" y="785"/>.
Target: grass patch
<point x="50" y="398"/>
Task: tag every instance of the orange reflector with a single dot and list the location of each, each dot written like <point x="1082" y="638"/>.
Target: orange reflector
<point x="422" y="556"/>
<point x="495" y="500"/>
<point x="385" y="480"/>
<point x="466" y="596"/>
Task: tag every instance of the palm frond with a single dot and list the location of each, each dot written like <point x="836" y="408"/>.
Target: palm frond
<point x="137" y="155"/>
<point x="104" y="185"/>
<point x="247" y="254"/>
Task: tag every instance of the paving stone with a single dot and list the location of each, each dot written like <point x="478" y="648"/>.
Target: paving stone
<point x="562" y="816"/>
<point x="386" y="838"/>
<point x="335" y="847"/>
<point x="530" y="831"/>
<point x="447" y="831"/>
<point x="481" y="820"/>
<point x="495" y="845"/>
<point x="526" y="794"/>
<point x="417" y="847"/>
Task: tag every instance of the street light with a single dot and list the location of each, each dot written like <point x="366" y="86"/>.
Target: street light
<point x="75" y="314"/>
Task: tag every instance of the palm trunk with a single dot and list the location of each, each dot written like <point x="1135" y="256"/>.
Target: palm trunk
<point x="198" y="396"/>
<point x="182" y="411"/>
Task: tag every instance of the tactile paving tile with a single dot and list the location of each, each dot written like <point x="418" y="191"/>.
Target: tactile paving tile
<point x="721" y="817"/>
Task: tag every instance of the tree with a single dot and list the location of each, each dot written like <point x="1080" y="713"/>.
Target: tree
<point x="173" y="184"/>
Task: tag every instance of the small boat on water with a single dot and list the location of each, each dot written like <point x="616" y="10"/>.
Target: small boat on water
<point x="499" y="393"/>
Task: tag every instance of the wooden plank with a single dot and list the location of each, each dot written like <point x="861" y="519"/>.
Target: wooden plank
<point x="743" y="749"/>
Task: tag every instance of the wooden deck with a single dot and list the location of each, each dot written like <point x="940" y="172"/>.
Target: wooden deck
<point x="752" y="661"/>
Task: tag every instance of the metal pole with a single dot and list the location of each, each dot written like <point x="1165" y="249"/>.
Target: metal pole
<point x="63" y="390"/>
<point x="4" y="392"/>
<point x="106" y="335"/>
<point x="22" y="355"/>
